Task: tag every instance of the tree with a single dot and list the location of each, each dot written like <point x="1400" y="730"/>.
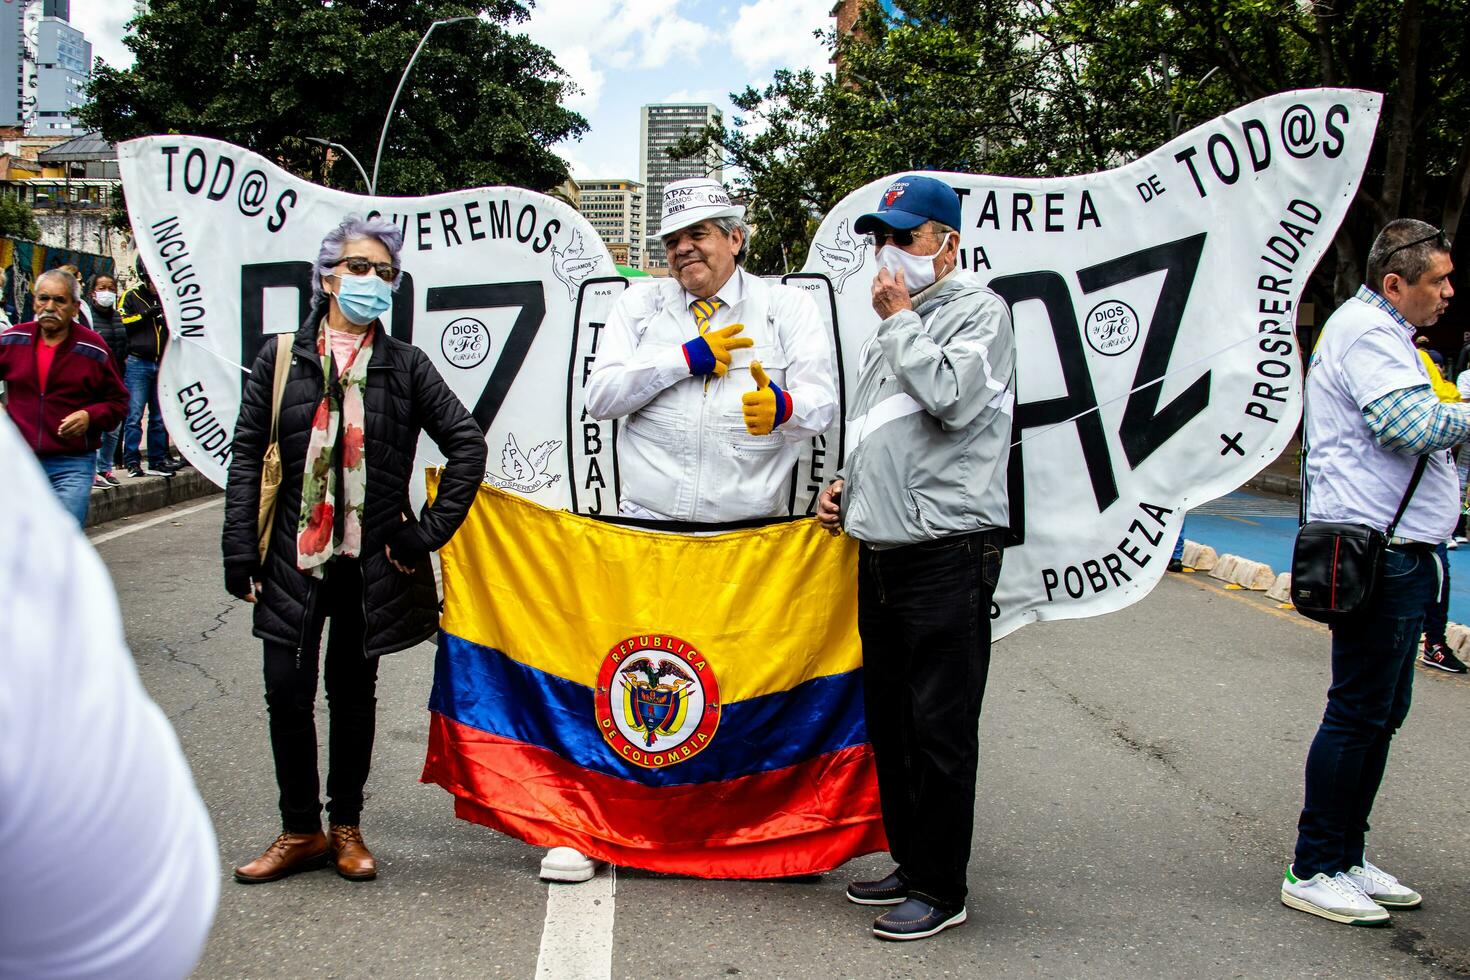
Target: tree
<point x="481" y="106"/>
<point x="16" y="219"/>
<point x="1061" y="87"/>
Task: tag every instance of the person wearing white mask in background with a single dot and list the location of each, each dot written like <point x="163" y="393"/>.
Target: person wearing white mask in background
<point x="109" y="326"/>
<point x="924" y="491"/>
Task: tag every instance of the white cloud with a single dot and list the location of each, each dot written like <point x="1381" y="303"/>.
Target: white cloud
<point x="102" y="22"/>
<point x="779" y="34"/>
<point x="588" y="37"/>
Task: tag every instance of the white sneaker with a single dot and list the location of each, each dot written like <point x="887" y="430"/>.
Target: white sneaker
<point x="567" y="864"/>
<point x="1452" y="544"/>
<point x="1337" y="898"/>
<point x="1383" y="887"/>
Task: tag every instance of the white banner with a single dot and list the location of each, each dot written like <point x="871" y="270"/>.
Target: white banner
<point x="1154" y="308"/>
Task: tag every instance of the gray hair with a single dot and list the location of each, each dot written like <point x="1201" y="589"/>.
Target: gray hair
<point x="728" y="224"/>
<point x="1388" y="254"/>
<point x="76" y="287"/>
<point x="353" y="229"/>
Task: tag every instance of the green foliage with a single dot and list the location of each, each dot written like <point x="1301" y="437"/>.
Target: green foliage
<point x="1061" y="87"/>
<point x="16" y="219"/>
<point x="481" y="106"/>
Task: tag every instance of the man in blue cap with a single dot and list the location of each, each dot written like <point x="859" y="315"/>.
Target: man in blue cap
<point x="924" y="491"/>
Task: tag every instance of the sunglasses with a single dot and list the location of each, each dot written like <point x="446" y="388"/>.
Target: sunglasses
<point x="359" y="266"/>
<point x="900" y="237"/>
<point x="1441" y="241"/>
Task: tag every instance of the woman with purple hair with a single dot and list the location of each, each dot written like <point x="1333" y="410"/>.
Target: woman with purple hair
<point x="344" y="542"/>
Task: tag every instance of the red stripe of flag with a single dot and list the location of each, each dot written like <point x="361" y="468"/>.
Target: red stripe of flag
<point x="792" y="821"/>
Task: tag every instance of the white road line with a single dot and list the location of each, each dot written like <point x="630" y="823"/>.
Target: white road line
<point x="577" y="941"/>
<point x="171" y="516"/>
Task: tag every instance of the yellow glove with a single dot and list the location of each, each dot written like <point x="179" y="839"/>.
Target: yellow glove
<point x="766" y="407"/>
<point x="709" y="353"/>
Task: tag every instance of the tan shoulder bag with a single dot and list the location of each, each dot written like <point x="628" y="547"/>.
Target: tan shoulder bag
<point x="270" y="464"/>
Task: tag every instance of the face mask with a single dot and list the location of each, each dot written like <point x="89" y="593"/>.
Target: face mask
<point x="104" y="298"/>
<point x="918" y="270"/>
<point x="362" y="299"/>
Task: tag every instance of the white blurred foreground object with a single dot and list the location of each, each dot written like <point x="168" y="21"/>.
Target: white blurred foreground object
<point x="110" y="861"/>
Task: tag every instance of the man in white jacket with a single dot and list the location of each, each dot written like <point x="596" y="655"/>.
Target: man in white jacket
<point x="720" y="377"/>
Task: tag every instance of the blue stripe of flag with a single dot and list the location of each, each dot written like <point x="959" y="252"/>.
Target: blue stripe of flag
<point x="482" y="688"/>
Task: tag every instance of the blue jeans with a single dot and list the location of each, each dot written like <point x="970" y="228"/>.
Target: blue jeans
<point x="108" y="450"/>
<point x="71" y="478"/>
<point x="1372" y="684"/>
<point x="924" y="619"/>
<point x="142" y="381"/>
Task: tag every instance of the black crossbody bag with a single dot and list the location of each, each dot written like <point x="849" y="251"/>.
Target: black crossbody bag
<point x="1335" y="566"/>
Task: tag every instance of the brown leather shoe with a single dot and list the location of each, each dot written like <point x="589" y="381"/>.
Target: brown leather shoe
<point x="354" y="861"/>
<point x="289" y="854"/>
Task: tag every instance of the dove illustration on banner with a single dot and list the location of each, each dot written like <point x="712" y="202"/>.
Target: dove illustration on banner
<point x="843" y="257"/>
<point x="525" y="472"/>
<point x="571" y="266"/>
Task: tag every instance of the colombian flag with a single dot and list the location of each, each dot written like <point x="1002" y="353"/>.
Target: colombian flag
<point x="685" y="704"/>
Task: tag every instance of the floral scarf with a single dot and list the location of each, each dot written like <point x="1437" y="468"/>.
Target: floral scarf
<point x="321" y="497"/>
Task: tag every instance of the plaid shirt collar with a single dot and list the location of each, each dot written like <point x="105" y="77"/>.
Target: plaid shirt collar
<point x="1373" y="298"/>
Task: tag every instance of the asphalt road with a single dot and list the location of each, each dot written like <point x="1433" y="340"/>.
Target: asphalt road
<point x="1140" y="781"/>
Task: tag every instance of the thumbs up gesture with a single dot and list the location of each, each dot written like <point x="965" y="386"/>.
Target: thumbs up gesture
<point x="766" y="407"/>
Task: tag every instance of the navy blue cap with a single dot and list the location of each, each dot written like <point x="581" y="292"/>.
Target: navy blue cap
<point x="910" y="201"/>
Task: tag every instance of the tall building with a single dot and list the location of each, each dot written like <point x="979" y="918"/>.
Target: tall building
<point x="661" y="126"/>
<point x="614" y="207"/>
<point x="63" y="68"/>
<point x="50" y="62"/>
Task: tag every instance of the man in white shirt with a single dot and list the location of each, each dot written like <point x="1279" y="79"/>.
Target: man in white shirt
<point x="111" y="866"/>
<point x="720" y="377"/>
<point x="1371" y="413"/>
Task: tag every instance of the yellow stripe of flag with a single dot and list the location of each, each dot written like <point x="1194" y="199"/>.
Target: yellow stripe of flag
<point x="556" y="591"/>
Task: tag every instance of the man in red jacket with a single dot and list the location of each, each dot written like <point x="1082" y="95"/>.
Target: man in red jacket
<point x="62" y="389"/>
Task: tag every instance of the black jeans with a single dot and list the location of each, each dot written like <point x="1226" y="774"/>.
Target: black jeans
<point x="290" y="697"/>
<point x="1372" y="687"/>
<point x="924" y="618"/>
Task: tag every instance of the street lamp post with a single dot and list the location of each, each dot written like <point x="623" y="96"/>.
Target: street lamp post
<point x="345" y="152"/>
<point x="383" y="137"/>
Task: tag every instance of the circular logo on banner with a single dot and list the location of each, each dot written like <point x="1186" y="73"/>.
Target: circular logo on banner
<point x="466" y="342"/>
<point x="1112" y="328"/>
<point x="658" y="703"/>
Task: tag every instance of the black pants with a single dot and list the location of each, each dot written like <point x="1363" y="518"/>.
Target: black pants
<point x="924" y="618"/>
<point x="290" y="697"/>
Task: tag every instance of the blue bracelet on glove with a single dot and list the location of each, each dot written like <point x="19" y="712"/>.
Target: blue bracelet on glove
<point x="700" y="358"/>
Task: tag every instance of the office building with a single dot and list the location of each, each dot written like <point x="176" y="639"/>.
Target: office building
<point x="12" y="64"/>
<point x="661" y="127"/>
<point x="614" y="207"/>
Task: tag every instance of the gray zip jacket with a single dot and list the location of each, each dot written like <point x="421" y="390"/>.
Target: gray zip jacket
<point x="930" y="421"/>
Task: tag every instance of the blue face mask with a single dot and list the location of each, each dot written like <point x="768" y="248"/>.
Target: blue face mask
<point x="362" y="299"/>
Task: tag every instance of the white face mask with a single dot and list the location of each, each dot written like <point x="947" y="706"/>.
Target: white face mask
<point x="918" y="270"/>
<point x="104" y="298"/>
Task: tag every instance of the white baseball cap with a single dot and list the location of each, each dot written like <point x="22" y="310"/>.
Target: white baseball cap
<point x="688" y="202"/>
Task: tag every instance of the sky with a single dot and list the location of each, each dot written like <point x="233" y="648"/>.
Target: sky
<point x="621" y="54"/>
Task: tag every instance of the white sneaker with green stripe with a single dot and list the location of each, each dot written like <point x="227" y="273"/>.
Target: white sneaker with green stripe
<point x="1337" y="898"/>
<point x="1383" y="887"/>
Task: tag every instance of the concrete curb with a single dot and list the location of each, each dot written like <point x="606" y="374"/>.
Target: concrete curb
<point x="1276" y="483"/>
<point x="141" y="495"/>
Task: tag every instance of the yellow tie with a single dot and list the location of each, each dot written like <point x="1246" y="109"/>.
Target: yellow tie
<point x="704" y="311"/>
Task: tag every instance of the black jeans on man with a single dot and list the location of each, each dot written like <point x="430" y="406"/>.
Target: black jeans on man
<point x="290" y="697"/>
<point x="924" y="619"/>
<point x="1372" y="688"/>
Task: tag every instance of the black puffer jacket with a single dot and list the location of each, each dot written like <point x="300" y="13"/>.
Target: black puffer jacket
<point x="105" y="321"/>
<point x="405" y="395"/>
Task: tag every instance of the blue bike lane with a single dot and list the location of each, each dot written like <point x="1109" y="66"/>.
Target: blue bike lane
<point x="1262" y="527"/>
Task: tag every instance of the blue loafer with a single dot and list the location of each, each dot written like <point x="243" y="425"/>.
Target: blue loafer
<point x="892" y="890"/>
<point x="915" y="919"/>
